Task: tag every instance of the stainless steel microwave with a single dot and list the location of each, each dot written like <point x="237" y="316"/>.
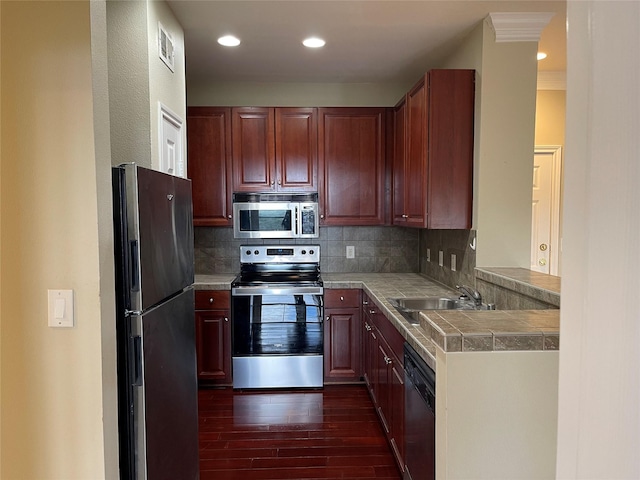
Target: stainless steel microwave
<point x="266" y="215"/>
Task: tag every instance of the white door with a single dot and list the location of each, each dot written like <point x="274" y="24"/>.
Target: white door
<point x="545" y="210"/>
<point x="171" y="149"/>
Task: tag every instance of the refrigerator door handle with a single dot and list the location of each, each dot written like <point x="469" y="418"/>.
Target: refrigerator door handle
<point x="136" y="374"/>
<point x="135" y="266"/>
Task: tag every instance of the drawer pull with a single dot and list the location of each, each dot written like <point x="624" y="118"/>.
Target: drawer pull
<point x="226" y="319"/>
<point x="210" y="300"/>
<point x="341" y="298"/>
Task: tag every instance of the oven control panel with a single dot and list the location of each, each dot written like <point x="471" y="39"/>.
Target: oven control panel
<point x="280" y="254"/>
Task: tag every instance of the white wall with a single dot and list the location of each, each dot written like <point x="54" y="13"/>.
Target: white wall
<point x="496" y="415"/>
<point x="504" y="142"/>
<point x="599" y="394"/>
<point x="166" y="86"/>
<point x="297" y="94"/>
<point x="52" y="378"/>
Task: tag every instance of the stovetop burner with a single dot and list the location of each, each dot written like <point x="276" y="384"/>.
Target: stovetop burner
<point x="281" y="265"/>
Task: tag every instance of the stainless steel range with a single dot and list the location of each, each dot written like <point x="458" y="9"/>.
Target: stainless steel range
<point x="277" y="312"/>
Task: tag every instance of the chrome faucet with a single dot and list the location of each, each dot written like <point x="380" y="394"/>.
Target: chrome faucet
<point x="471" y="294"/>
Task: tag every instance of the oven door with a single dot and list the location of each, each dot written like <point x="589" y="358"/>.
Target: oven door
<point x="277" y="338"/>
<point x="265" y="220"/>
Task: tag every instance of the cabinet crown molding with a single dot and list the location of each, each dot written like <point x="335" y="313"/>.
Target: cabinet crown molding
<point x="518" y="26"/>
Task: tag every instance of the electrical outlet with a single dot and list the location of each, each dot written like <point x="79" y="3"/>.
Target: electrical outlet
<point x="453" y="262"/>
<point x="351" y="251"/>
<point x="428" y="254"/>
<point x="441" y="258"/>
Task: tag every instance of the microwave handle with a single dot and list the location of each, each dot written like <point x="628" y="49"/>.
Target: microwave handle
<point x="295" y="209"/>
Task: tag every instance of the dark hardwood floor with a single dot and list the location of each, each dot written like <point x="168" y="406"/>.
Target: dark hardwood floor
<point x="327" y="433"/>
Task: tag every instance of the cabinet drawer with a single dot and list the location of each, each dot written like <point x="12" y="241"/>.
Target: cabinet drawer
<point x="213" y="299"/>
<point x="337" y="298"/>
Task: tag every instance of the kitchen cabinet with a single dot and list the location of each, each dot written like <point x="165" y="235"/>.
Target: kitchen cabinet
<point x="342" y="337"/>
<point x="209" y="165"/>
<point x="433" y="152"/>
<point x="351" y="163"/>
<point x="274" y="149"/>
<point x="213" y="336"/>
<point x="384" y="374"/>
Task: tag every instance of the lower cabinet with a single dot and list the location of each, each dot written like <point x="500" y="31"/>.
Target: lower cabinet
<point x="384" y="374"/>
<point x="213" y="336"/>
<point x="342" y="339"/>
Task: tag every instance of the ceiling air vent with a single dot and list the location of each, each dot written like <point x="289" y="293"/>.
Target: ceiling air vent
<point x="165" y="46"/>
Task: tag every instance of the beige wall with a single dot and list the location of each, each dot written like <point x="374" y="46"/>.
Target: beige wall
<point x="52" y="378"/>
<point x="550" y="117"/>
<point x="598" y="414"/>
<point x="164" y="85"/>
<point x="296" y="94"/>
<point x="504" y="143"/>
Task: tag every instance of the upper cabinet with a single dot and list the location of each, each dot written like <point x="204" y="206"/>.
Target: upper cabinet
<point x="274" y="149"/>
<point x="209" y="164"/>
<point x="351" y="143"/>
<point x="433" y="152"/>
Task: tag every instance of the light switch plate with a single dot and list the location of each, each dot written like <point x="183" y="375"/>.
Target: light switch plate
<point x="60" y="308"/>
<point x="453" y="262"/>
<point x="441" y="258"/>
<point x="351" y="251"/>
<point x="428" y="254"/>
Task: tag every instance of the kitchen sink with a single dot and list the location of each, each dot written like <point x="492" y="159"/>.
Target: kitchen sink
<point x="410" y="307"/>
<point x="430" y="303"/>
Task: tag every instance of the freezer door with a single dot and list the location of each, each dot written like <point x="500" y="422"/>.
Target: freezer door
<point x="157" y="218"/>
<point x="165" y="405"/>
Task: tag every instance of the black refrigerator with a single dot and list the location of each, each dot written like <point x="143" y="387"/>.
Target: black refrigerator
<point x="155" y="325"/>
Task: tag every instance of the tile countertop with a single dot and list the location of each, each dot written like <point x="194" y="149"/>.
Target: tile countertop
<point x="451" y="330"/>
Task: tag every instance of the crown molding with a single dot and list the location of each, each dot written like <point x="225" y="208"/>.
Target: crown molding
<point x="518" y="26"/>
<point x="552" y="80"/>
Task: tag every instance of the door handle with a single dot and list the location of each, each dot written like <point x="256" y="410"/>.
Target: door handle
<point x="543" y="246"/>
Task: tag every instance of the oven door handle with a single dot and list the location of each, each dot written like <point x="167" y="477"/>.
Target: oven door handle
<point x="274" y="290"/>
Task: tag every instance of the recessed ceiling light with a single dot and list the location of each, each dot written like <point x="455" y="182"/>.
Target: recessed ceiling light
<point x="313" y="42"/>
<point x="229" y="41"/>
<point x="541" y="55"/>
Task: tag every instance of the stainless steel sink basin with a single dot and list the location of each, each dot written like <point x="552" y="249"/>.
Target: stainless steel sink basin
<point x="430" y="303"/>
<point x="410" y="307"/>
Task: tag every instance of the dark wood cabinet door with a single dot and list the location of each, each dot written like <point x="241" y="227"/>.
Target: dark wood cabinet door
<point x="398" y="165"/>
<point x="296" y="141"/>
<point x="450" y="132"/>
<point x="209" y="164"/>
<point x="213" y="336"/>
<point x="396" y="410"/>
<point x="253" y="149"/>
<point x="351" y="151"/>
<point x="342" y="357"/>
<point x="415" y="164"/>
<point x="436" y="176"/>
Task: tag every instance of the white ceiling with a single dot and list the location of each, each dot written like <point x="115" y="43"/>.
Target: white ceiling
<point x="368" y="41"/>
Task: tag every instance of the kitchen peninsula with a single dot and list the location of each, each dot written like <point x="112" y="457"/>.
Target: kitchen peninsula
<point x="497" y="372"/>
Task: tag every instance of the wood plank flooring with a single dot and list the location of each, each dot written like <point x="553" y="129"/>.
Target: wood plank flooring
<point x="327" y="433"/>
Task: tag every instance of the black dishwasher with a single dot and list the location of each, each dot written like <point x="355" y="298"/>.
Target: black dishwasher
<point x="420" y="417"/>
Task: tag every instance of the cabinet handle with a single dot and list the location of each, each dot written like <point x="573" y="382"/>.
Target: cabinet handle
<point x="229" y="216"/>
<point x="341" y="298"/>
<point x="322" y="215"/>
<point x="226" y="319"/>
<point x="279" y="182"/>
<point x="405" y="216"/>
<point x="387" y="360"/>
<point x="364" y="302"/>
<point x="272" y="183"/>
<point x="211" y="301"/>
<point x="372" y="312"/>
<point x="328" y="318"/>
<point x="367" y="327"/>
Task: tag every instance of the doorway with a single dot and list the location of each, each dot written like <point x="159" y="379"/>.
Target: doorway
<point x="546" y="239"/>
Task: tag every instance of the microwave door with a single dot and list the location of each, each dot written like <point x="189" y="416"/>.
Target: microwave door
<point x="264" y="220"/>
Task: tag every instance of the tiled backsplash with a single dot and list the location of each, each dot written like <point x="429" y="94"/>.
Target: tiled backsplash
<point x="456" y="242"/>
<point x="381" y="249"/>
